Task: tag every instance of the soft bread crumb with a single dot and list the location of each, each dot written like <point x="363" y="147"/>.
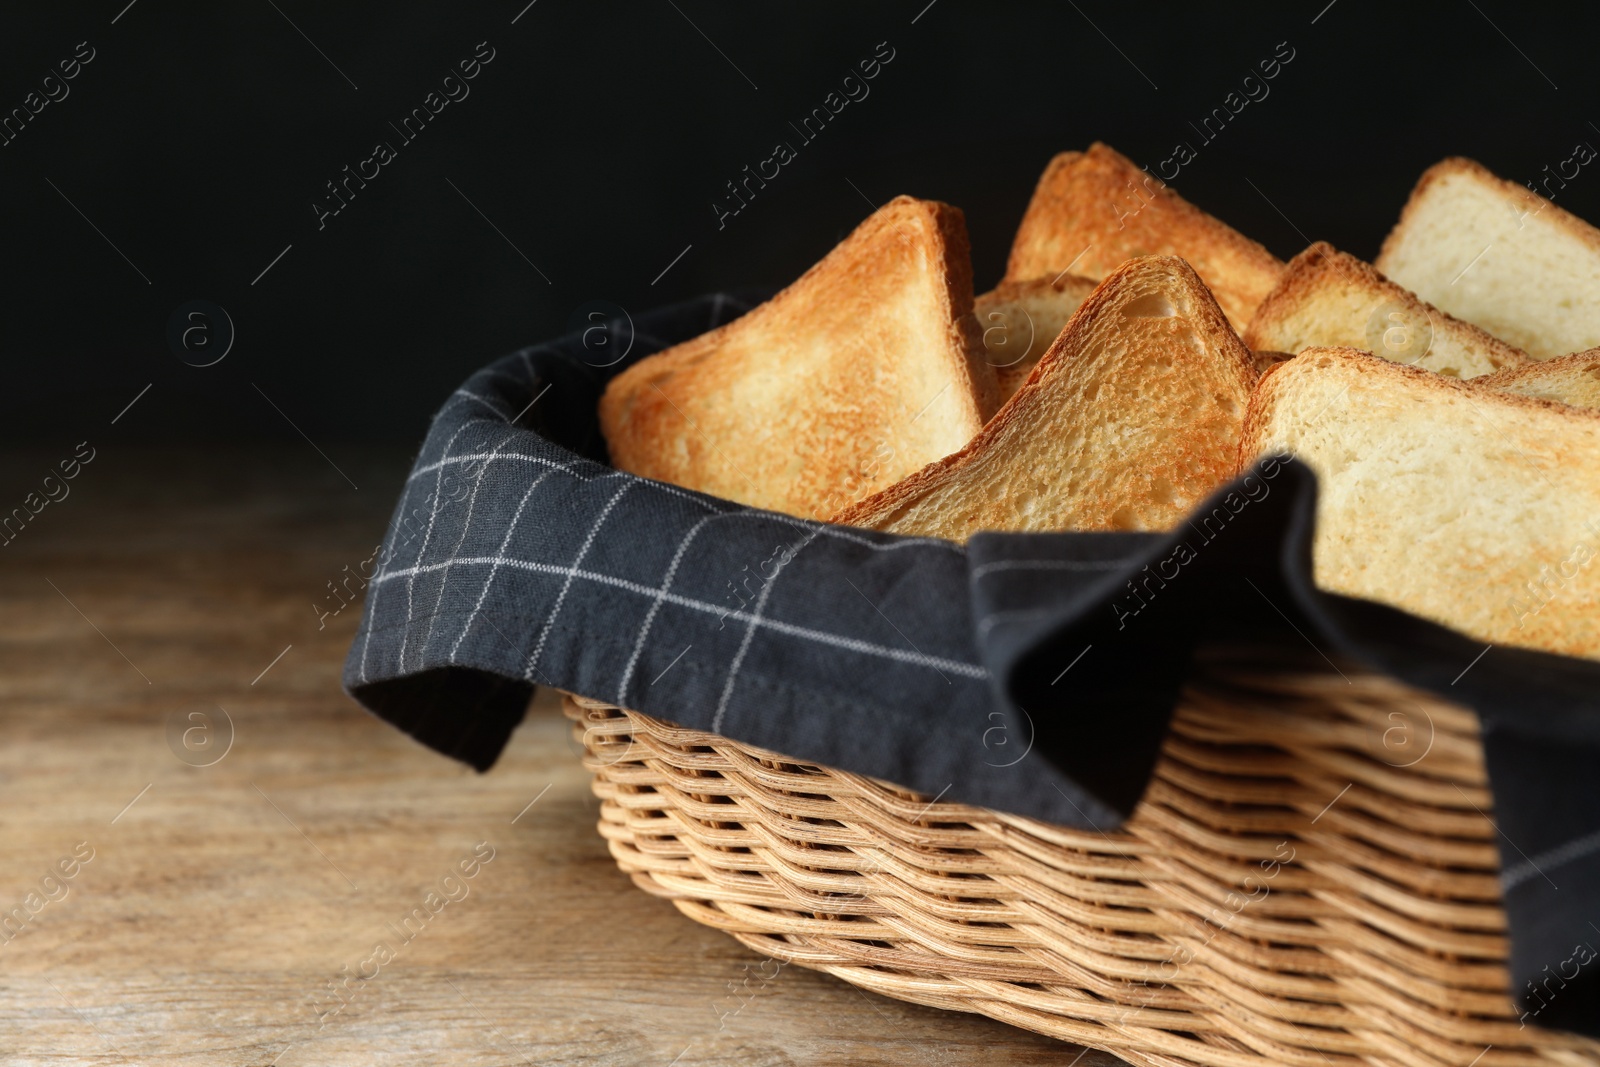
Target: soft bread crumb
<point x="1498" y="255"/>
<point x="1473" y="507"/>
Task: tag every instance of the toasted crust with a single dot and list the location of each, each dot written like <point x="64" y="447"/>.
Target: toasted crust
<point x="1328" y="298"/>
<point x="1093" y="211"/>
<point x="1019" y="321"/>
<point x="866" y="368"/>
<point x="1466" y="505"/>
<point x="1573" y="380"/>
<point x="1129" y="419"/>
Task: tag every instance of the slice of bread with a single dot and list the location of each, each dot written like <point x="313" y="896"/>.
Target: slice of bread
<point x="1328" y="298"/>
<point x="1020" y="320"/>
<point x="1093" y="211"/>
<point x="1131" y="417"/>
<point x="1472" y="507"/>
<point x="1573" y="380"/>
<point x="1499" y="255"/>
<point x="862" y="371"/>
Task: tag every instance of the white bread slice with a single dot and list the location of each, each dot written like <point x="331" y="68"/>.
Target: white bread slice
<point x="1019" y="321"/>
<point x="1093" y="211"/>
<point x="1131" y="417"/>
<point x="1471" y="507"/>
<point x="1328" y="298"/>
<point x="1573" y="380"/>
<point x="1499" y="255"/>
<point x="862" y="371"/>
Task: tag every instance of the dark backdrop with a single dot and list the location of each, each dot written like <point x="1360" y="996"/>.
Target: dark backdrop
<point x="188" y="153"/>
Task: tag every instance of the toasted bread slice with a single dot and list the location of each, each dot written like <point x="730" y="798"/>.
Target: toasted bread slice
<point x="1499" y="255"/>
<point x="1131" y="417"/>
<point x="1093" y="211"/>
<point x="1019" y="321"/>
<point x="1469" y="506"/>
<point x="1328" y="298"/>
<point x="862" y="371"/>
<point x="1573" y="380"/>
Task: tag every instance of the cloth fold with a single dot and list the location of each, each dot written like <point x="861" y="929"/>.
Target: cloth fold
<point x="1032" y="673"/>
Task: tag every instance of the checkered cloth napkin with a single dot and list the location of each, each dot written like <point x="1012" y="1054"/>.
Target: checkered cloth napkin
<point x="1033" y="673"/>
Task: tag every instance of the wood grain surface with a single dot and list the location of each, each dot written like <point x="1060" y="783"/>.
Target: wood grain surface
<point x="223" y="905"/>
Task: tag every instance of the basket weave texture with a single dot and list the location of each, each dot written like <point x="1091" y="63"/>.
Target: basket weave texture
<point x="1310" y="879"/>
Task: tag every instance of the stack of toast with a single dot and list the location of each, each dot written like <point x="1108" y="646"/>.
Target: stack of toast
<point x="1139" y="353"/>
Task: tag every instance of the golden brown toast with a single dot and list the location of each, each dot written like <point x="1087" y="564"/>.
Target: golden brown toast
<point x="865" y="369"/>
<point x="1328" y="298"/>
<point x="1573" y="380"/>
<point x="1093" y="211"/>
<point x="1131" y="417"/>
<point x="1019" y="321"/>
<point x="1501" y="256"/>
<point x="1469" y="506"/>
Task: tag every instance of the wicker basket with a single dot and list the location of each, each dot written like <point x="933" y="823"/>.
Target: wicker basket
<point x="1310" y="879"/>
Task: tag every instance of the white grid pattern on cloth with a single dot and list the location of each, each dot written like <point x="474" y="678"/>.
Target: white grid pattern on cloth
<point x="470" y="457"/>
<point x="566" y="585"/>
<point x="483" y="594"/>
<point x="467" y="394"/>
<point x="494" y="416"/>
<point x="837" y="532"/>
<point x="371" y="607"/>
<point x="749" y="635"/>
<point x="655" y="606"/>
<point x="851" y="644"/>
<point x="433" y="515"/>
<point x="659" y="595"/>
<point x="464" y="393"/>
<point x="466" y="526"/>
<point x="1048" y="565"/>
<point x="439" y="465"/>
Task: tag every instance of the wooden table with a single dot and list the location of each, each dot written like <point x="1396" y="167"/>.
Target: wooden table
<point x="222" y="903"/>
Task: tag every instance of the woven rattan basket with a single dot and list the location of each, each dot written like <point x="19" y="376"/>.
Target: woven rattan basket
<point x="1310" y="879"/>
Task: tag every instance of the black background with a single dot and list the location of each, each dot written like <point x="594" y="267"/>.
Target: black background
<point x="596" y="142"/>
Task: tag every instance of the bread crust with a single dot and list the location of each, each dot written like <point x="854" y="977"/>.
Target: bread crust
<point x="677" y="416"/>
<point x="1085" y="216"/>
<point x="882" y="508"/>
<point x="1321" y="265"/>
